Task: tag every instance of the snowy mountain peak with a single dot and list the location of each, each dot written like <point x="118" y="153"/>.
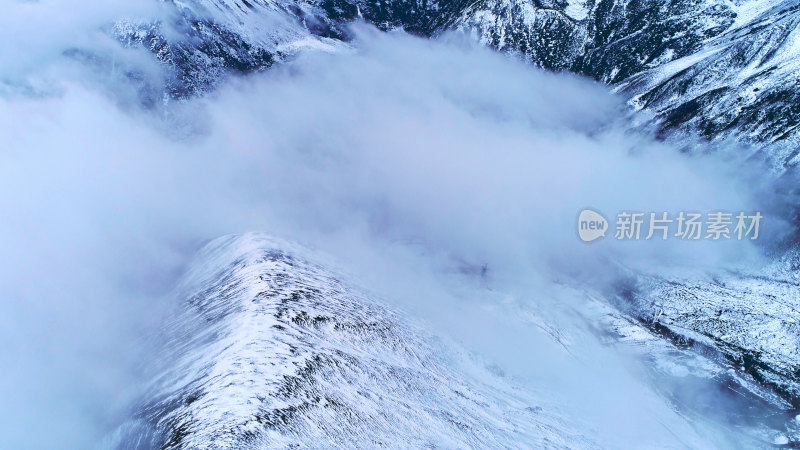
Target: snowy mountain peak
<point x="272" y="350"/>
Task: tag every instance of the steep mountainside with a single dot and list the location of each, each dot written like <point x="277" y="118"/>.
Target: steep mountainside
<point x="719" y="68"/>
<point x="723" y="69"/>
<point x="751" y="321"/>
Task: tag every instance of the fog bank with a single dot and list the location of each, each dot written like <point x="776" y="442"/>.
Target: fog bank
<point x="416" y="163"/>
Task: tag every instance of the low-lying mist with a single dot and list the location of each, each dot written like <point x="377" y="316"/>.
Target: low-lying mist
<point x="447" y="177"/>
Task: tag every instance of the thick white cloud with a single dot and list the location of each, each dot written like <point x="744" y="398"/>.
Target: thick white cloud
<point x="407" y="159"/>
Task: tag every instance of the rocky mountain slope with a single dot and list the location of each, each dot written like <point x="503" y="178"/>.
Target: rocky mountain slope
<point x="720" y="69"/>
<point x="723" y="69"/>
<point x="748" y="320"/>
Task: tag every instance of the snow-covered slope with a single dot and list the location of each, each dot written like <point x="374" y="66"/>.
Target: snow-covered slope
<point x="720" y="68"/>
<point x="272" y="350"/>
<point x="741" y="83"/>
<point x="542" y="34"/>
<point x="723" y="69"/>
<point x="751" y="319"/>
<point x="200" y="43"/>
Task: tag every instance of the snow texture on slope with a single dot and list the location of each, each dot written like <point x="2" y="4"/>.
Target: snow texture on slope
<point x="272" y="350"/>
<point x="719" y="68"/>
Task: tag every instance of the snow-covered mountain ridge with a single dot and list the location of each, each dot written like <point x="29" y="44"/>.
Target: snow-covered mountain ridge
<point x="272" y="347"/>
<point x="272" y="350"/>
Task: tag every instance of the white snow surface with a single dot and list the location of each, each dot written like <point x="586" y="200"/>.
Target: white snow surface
<point x="276" y="347"/>
<point x="273" y="351"/>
